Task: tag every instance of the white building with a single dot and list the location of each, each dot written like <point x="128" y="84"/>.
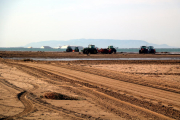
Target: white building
<point x="46" y="47"/>
<point x="73" y="47"/>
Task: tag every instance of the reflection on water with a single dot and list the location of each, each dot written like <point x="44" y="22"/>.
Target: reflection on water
<point x="73" y="59"/>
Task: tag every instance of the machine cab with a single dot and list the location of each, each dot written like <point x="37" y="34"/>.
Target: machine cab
<point x="91" y="46"/>
<point x="110" y="47"/>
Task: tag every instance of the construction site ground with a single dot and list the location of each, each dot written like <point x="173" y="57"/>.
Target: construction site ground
<point x="117" y="89"/>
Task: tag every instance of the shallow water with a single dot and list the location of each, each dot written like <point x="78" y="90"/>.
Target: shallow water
<point x="73" y="59"/>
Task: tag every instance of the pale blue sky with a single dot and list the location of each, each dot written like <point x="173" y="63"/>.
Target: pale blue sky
<point x="26" y="21"/>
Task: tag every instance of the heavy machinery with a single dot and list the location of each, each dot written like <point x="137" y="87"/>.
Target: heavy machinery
<point x="143" y="49"/>
<point x="151" y="50"/>
<point x="147" y="50"/>
<point x="76" y="49"/>
<point x="91" y="49"/>
<point x="69" y="49"/>
<point x="108" y="50"/>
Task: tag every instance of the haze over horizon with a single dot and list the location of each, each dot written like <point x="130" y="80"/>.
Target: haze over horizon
<point x="26" y="21"/>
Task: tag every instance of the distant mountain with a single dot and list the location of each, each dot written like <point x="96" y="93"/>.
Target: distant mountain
<point x="101" y="43"/>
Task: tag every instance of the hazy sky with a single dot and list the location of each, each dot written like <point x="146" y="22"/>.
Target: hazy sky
<point x="26" y="21"/>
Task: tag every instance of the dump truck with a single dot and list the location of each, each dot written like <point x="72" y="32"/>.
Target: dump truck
<point x="108" y="50"/>
<point x="91" y="49"/>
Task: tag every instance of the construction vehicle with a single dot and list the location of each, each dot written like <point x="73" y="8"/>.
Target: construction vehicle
<point x="76" y="49"/>
<point x="91" y="49"/>
<point x="143" y="49"/>
<point x="108" y="50"/>
<point x="69" y="49"/>
<point x="147" y="50"/>
<point x="151" y="50"/>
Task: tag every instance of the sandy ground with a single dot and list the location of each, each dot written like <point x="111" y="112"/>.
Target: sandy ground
<point x="103" y="89"/>
<point x="11" y="105"/>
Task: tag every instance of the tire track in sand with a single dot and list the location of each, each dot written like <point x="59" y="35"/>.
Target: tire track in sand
<point x="22" y="97"/>
<point x="75" y="75"/>
<point x="27" y="98"/>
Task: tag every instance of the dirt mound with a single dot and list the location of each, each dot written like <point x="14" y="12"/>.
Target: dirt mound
<point x="58" y="96"/>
